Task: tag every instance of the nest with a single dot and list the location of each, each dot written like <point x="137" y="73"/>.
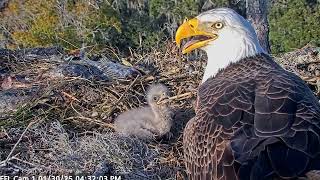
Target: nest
<point x="66" y="127"/>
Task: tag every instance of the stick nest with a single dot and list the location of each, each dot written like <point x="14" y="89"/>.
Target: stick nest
<point x="66" y="127"/>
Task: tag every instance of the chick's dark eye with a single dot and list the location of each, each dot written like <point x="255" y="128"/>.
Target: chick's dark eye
<point x="218" y="25"/>
<point x="155" y="98"/>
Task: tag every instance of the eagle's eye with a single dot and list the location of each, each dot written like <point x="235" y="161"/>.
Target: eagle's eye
<point x="218" y="25"/>
<point x="185" y="19"/>
<point x="155" y="98"/>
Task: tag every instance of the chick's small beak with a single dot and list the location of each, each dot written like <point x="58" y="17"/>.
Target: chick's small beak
<point x="192" y="28"/>
<point x="163" y="100"/>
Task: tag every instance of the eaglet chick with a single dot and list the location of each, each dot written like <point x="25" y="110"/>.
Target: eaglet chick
<point x="147" y="122"/>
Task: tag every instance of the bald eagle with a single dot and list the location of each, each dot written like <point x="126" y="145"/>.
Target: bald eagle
<point x="254" y="120"/>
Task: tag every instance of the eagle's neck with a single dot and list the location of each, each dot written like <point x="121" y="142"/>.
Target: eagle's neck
<point x="162" y="119"/>
<point x="223" y="52"/>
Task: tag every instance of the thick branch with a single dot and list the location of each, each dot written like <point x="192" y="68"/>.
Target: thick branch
<point x="257" y="14"/>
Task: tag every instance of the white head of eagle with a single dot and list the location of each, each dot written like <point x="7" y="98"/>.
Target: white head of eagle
<point x="225" y="36"/>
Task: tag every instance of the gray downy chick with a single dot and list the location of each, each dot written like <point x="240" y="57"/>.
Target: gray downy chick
<point x="148" y="122"/>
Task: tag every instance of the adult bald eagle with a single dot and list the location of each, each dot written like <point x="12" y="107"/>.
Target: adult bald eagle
<point x="254" y="120"/>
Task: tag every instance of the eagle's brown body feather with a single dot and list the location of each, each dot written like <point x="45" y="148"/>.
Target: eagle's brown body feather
<point x="254" y="120"/>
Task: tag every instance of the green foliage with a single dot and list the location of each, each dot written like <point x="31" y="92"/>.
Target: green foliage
<point x="45" y="23"/>
<point x="293" y="24"/>
<point x="72" y="23"/>
<point x="140" y="31"/>
<point x="177" y="9"/>
<point x="186" y="8"/>
<point x="142" y="23"/>
<point x="35" y="30"/>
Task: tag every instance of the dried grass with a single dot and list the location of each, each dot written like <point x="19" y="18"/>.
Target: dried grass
<point x="72" y="120"/>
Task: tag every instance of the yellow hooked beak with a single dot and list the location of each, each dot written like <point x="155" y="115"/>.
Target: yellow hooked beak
<point x="193" y="29"/>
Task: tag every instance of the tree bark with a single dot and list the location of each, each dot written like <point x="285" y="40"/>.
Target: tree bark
<point x="3" y="4"/>
<point x="256" y="11"/>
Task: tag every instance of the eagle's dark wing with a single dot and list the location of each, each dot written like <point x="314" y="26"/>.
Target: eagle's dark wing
<point x="253" y="120"/>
